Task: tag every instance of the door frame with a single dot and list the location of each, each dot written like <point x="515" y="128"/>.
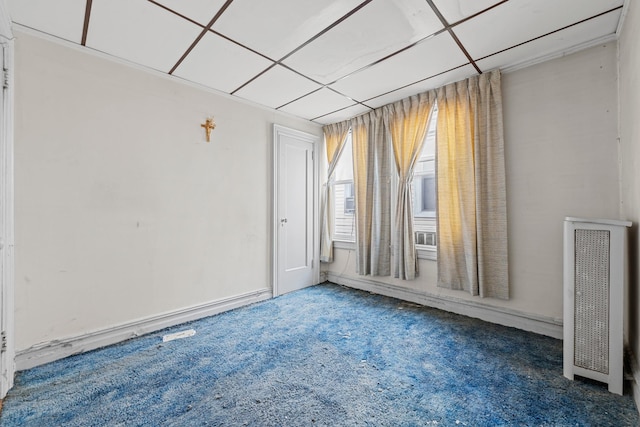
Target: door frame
<point x="278" y="131"/>
<point x="7" y="343"/>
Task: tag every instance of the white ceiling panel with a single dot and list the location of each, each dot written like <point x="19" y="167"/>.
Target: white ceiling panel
<point x="554" y="43"/>
<point x="141" y="32"/>
<point x="432" y="83"/>
<point x="518" y="21"/>
<point x="276" y="87"/>
<point x="201" y="11"/>
<point x="220" y="64"/>
<point x="318" y="104"/>
<point x="276" y="28"/>
<point x="379" y="29"/>
<point x="342" y="115"/>
<point x="424" y="60"/>
<point x="62" y="18"/>
<point x="456" y="10"/>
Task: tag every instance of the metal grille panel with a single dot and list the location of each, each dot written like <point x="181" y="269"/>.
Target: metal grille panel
<point x="591" y="337"/>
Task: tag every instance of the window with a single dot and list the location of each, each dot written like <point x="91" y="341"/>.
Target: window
<point x="349" y="199"/>
<point x="424" y="194"/>
<point x="344" y="197"/>
<point x="424" y="190"/>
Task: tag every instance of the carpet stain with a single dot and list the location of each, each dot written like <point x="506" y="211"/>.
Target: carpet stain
<point x="322" y="356"/>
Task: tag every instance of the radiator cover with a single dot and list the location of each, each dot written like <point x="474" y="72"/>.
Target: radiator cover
<point x="594" y="281"/>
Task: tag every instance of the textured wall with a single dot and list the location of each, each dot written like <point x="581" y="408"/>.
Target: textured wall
<point x="122" y="210"/>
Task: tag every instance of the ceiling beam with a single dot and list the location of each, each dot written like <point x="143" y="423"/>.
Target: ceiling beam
<point x="85" y="26"/>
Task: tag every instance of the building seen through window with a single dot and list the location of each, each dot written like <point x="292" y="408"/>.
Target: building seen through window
<point x="344" y="197"/>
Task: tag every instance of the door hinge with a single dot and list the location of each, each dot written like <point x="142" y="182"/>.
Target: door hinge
<point x="5" y="78"/>
<point x="3" y="341"/>
<point x="312" y="264"/>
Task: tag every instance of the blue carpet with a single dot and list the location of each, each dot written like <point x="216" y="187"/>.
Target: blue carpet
<point x="323" y="356"/>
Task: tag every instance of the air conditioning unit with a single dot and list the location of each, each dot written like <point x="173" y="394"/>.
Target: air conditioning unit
<point x="425" y="238"/>
<point x="595" y="262"/>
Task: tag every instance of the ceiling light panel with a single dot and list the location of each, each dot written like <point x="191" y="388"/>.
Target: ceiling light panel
<point x="276" y="28"/>
<point x="221" y="64"/>
<point x="433" y="56"/>
<point x="319" y="103"/>
<point x="456" y="10"/>
<point x="556" y="43"/>
<point x="377" y="30"/>
<point x="277" y="87"/>
<point x="141" y="32"/>
<point x="201" y="11"/>
<point x="62" y="18"/>
<point x="518" y="21"/>
<point x="432" y="83"/>
<point x="342" y="115"/>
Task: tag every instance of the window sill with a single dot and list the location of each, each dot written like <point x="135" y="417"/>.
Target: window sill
<point x="424" y="252"/>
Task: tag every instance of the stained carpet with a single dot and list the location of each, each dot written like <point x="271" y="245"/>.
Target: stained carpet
<point x="323" y="356"/>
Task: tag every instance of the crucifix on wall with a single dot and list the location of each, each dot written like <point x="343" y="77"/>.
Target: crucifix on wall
<point x="208" y="126"/>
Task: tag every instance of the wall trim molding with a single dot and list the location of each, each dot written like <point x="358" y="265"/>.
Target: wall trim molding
<point x="623" y="18"/>
<point x="559" y="54"/>
<point x="499" y="315"/>
<point x="40" y="354"/>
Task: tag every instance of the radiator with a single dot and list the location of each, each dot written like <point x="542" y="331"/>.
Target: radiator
<point x="594" y="281"/>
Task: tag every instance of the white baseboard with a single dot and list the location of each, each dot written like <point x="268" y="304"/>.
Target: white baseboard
<point x="58" y="349"/>
<point x="500" y="315"/>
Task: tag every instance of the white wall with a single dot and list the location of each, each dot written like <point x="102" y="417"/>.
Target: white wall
<point x="122" y="210"/>
<point x="629" y="57"/>
<point x="560" y="122"/>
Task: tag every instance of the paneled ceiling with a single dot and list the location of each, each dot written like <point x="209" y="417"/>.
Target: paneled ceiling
<point x="323" y="60"/>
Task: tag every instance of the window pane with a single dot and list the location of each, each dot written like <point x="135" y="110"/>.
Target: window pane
<point x="344" y="218"/>
<point x="424" y="182"/>
<point x="429" y="193"/>
<point x="349" y="199"/>
<point x="344" y="206"/>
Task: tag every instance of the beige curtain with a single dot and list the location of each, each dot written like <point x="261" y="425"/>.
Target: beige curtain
<point x="335" y="136"/>
<point x="407" y="120"/>
<point x="372" y="184"/>
<point x="472" y="214"/>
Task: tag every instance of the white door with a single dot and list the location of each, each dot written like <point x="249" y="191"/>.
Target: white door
<point x="294" y="213"/>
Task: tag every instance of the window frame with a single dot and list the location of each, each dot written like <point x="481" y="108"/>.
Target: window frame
<point x="428" y="222"/>
<point x="342" y="240"/>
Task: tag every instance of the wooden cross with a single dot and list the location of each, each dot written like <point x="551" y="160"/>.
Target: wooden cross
<point x="208" y="126"/>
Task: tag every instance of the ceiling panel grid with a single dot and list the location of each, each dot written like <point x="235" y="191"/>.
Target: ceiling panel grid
<point x="324" y="60"/>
